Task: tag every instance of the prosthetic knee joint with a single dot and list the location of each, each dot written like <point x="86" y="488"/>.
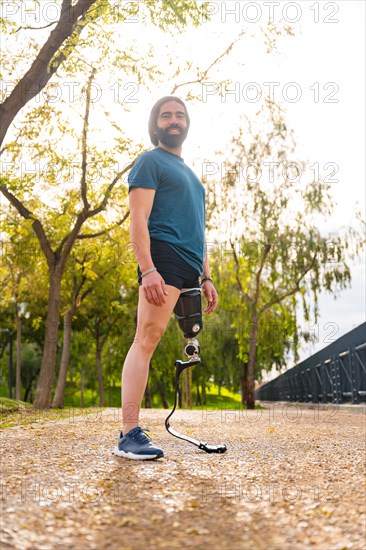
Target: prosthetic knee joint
<point x="188" y="312"/>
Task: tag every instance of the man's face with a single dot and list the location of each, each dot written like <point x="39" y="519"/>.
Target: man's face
<point x="172" y="124"/>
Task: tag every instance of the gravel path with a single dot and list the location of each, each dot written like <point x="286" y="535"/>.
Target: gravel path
<point x="292" y="478"/>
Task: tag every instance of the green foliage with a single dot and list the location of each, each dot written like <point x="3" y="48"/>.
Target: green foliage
<point x="76" y="149"/>
<point x="274" y="258"/>
<point x="11" y="405"/>
<point x="216" y="398"/>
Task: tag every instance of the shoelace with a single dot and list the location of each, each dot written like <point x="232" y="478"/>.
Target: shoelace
<point x="141" y="437"/>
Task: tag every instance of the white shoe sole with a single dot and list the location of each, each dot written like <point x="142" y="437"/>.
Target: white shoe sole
<point x="132" y="456"/>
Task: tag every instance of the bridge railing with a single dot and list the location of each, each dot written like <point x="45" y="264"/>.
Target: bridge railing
<point x="336" y="374"/>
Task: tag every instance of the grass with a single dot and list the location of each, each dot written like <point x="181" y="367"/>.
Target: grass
<point x="18" y="413"/>
<point x="113" y="398"/>
<point x="214" y="400"/>
<point x="12" y="405"/>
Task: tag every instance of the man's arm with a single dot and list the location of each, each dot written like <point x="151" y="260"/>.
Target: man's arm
<point x="141" y="202"/>
<point x="208" y="288"/>
<point x="206" y="267"/>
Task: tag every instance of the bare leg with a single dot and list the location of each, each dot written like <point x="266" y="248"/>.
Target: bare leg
<point x="151" y="324"/>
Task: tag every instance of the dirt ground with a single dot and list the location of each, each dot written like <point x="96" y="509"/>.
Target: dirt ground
<point x="292" y="478"/>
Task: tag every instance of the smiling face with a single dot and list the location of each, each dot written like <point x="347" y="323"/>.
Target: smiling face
<point x="171" y="124"/>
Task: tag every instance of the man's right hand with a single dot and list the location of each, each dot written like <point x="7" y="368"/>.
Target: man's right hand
<point x="154" y="288"/>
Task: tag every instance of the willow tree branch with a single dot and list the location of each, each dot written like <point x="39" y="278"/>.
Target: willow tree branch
<point x="70" y="238"/>
<point x="35" y="28"/>
<point x="266" y="251"/>
<point x="36" y="224"/>
<point x="104" y="231"/>
<point x="203" y="74"/>
<point x="46" y="63"/>
<point x="84" y="142"/>
<point x="237" y="269"/>
<point x="291" y="292"/>
<point x="109" y="190"/>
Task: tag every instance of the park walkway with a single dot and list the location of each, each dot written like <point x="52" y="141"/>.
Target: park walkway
<point x="292" y="478"/>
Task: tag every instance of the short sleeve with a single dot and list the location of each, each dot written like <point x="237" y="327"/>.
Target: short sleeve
<point x="145" y="173"/>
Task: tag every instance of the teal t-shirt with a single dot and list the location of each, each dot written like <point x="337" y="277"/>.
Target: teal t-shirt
<point x="178" y="213"/>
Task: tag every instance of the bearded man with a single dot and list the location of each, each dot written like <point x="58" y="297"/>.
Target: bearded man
<point x="167" y="228"/>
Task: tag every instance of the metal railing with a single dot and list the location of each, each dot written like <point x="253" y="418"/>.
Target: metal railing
<point x="336" y="374"/>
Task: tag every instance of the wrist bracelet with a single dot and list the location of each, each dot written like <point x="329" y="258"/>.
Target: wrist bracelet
<point x="206" y="279"/>
<point x="151" y="270"/>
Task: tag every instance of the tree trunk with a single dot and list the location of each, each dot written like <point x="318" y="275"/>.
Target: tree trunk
<point x="11" y="377"/>
<point x="147" y="397"/>
<point x="244" y="383"/>
<point x="189" y="396"/>
<point x="27" y="390"/>
<point x="98" y="360"/>
<point x="147" y="390"/>
<point x="82" y="388"/>
<point x="198" y="396"/>
<point x="183" y="390"/>
<point x="160" y="388"/>
<point x="162" y="393"/>
<point x="59" y="398"/>
<point x="45" y="380"/>
<point x="110" y="393"/>
<point x="251" y="364"/>
<point x="18" y="383"/>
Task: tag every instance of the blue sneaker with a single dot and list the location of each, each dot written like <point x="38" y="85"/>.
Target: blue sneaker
<point x="137" y="446"/>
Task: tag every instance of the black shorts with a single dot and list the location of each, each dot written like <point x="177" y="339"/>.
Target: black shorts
<point x="174" y="270"/>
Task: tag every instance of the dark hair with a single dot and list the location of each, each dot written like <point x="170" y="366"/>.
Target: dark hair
<point x="155" y="113"/>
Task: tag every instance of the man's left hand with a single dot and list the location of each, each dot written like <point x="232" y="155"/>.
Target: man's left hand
<point x="211" y="296"/>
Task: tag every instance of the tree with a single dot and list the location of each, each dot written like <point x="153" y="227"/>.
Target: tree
<point x="79" y="47"/>
<point x="60" y="51"/>
<point x="277" y="255"/>
<point x="18" y="273"/>
<point x="78" y="295"/>
<point x="96" y="267"/>
<point x="105" y="317"/>
<point x="57" y="261"/>
<point x="63" y="41"/>
<point x="66" y="51"/>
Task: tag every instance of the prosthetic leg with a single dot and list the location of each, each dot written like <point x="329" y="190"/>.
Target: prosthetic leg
<point x="188" y="311"/>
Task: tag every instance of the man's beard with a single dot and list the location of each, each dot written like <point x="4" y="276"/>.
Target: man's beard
<point x="171" y="140"/>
